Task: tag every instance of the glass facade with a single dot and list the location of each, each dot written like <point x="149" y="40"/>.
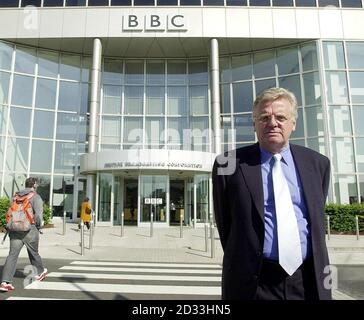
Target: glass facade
<point x="150" y="103"/>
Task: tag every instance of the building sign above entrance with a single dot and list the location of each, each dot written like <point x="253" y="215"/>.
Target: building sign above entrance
<point x="154" y="22"/>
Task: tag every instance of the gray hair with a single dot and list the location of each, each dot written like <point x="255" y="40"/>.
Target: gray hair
<point x="272" y="94"/>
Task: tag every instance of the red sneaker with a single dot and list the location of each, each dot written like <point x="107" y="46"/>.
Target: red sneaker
<point x="5" y="287"/>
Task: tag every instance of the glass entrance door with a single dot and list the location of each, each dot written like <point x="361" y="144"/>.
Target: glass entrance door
<point x="130" y="201"/>
<point x="177" y="201"/>
<point x="153" y="198"/>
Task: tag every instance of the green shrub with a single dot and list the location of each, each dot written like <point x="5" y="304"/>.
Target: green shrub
<point x="47" y="214"/>
<point x="342" y="216"/>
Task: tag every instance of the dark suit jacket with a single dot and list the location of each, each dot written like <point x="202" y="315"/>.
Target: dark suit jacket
<point x="239" y="214"/>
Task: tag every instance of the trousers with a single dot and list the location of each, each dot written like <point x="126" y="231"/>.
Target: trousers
<point x="275" y="284"/>
<point x="17" y="240"/>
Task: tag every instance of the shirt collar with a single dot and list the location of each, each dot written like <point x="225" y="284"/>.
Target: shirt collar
<point x="266" y="156"/>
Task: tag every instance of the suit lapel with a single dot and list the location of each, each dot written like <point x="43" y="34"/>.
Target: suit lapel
<point x="251" y="170"/>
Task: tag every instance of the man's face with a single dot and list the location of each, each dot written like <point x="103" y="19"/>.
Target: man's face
<point x="274" y="124"/>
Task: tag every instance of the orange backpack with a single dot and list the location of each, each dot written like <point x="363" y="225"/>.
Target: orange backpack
<point x="20" y="215"/>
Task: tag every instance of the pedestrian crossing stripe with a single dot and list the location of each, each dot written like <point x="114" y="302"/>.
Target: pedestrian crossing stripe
<point x="72" y="275"/>
<point x="125" y="288"/>
<point x="147" y="264"/>
<point x="141" y="270"/>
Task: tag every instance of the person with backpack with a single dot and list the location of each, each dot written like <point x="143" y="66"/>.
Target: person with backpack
<point x="86" y="212"/>
<point x="23" y="222"/>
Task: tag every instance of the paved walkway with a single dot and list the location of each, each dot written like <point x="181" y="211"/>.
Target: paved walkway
<point x="165" y="245"/>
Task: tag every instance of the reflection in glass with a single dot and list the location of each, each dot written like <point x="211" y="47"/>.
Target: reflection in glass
<point x="6" y="52"/>
<point x="43" y="124"/>
<point x="3" y="119"/>
<point x="46" y="94"/>
<point x="261" y="85"/>
<point x="293" y="84"/>
<point x="197" y="71"/>
<point x="176" y="100"/>
<point x="112" y="100"/>
<point x="340" y="124"/>
<point x="154" y="130"/>
<point x="176" y="72"/>
<point x="48" y="63"/>
<point x="22" y="90"/>
<point x="62" y="196"/>
<point x="309" y="56"/>
<point x="244" y="128"/>
<point x="25" y="59"/>
<point x="264" y="65"/>
<point x="65" y="157"/>
<point x="359" y="144"/>
<point x="356" y="86"/>
<point x="345" y="189"/>
<point x="312" y="89"/>
<point x="66" y="126"/>
<point x="155" y="72"/>
<point x="225" y="72"/>
<point x="241" y="67"/>
<point x="314" y="121"/>
<point x="111" y="128"/>
<point x="337" y="89"/>
<point x="242" y="97"/>
<point x="334" y="55"/>
<point x="70" y="67"/>
<point x="41" y="157"/>
<point x="113" y="72"/>
<point x="133" y="130"/>
<point x="134" y="72"/>
<point x="343" y="155"/>
<point x="104" y="210"/>
<point x="69" y="96"/>
<point x="175" y="129"/>
<point x="133" y="100"/>
<point x="199" y="100"/>
<point x="317" y="144"/>
<point x="225" y="98"/>
<point x="358" y="116"/>
<point x="287" y="60"/>
<point x="299" y="131"/>
<point x="355" y="53"/>
<point x="13" y="182"/>
<point x="17" y="154"/>
<point x="19" y="122"/>
<point x="4" y="87"/>
<point x="155" y="100"/>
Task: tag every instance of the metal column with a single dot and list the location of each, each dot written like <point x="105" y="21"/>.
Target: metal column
<point x="94" y="107"/>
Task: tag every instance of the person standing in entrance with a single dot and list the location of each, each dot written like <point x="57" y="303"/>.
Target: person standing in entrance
<point x="28" y="238"/>
<point x="86" y="211"/>
<point x="270" y="210"/>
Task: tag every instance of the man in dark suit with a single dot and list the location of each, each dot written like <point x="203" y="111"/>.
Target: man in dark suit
<point x="269" y="210"/>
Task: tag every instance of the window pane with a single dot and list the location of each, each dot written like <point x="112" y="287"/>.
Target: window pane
<point x="6" y="52"/>
<point x="261" y="85"/>
<point x="225" y="73"/>
<point x="41" y="158"/>
<point x="70" y="67"/>
<point x="311" y="82"/>
<point x="43" y="124"/>
<point x="244" y="128"/>
<point x="340" y="124"/>
<point x="299" y="132"/>
<point x="282" y="3"/>
<point x="197" y="72"/>
<point x="287" y="60"/>
<point x="86" y="69"/>
<point x="75" y="2"/>
<point x="155" y="72"/>
<point x="345" y="189"/>
<point x="52" y="3"/>
<point x="69" y="96"/>
<point x="337" y="89"/>
<point x="35" y="3"/>
<point x="154" y="128"/>
<point x="25" y="60"/>
<point x="22" y="90"/>
<point x="48" y="63"/>
<point x="112" y="100"/>
<point x="9" y="3"/>
<point x="334" y="55"/>
<point x="98" y="2"/>
<point x="66" y="126"/>
<point x="134" y="72"/>
<point x="133" y="130"/>
<point x="293" y="84"/>
<point x="358" y="115"/>
<point x="309" y="56"/>
<point x="133" y="100"/>
<point x="111" y="131"/>
<point x="46" y="94"/>
<point x="357" y="87"/>
<point x="241" y="68"/>
<point x="4" y="87"/>
<point x="19" y="122"/>
<point x="343" y="155"/>
<point x="176" y="101"/>
<point x="351" y="3"/>
<point x="317" y="144"/>
<point x="314" y="121"/>
<point x="259" y="3"/>
<point x="17" y="154"/>
<point x="155" y="100"/>
<point x="242" y="97"/>
<point x="225" y="98"/>
<point x="113" y="71"/>
<point x="3" y="121"/>
<point x="199" y="100"/>
<point x="175" y="130"/>
<point x="85" y="98"/>
<point x="176" y="72"/>
<point x="355" y="51"/>
<point x="359" y="143"/>
<point x="190" y="2"/>
<point x="264" y="64"/>
<point x="65" y="157"/>
<point x="306" y="3"/>
<point x="328" y="3"/>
